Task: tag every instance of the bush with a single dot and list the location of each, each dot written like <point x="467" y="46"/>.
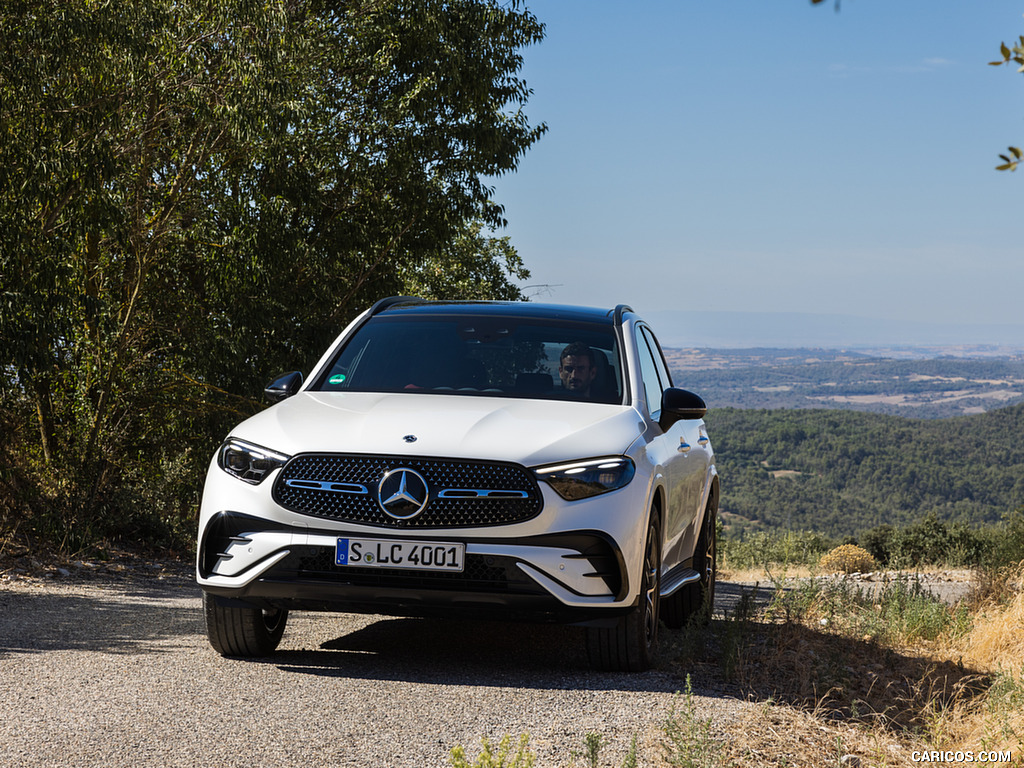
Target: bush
<point x="847" y="558"/>
<point x="930" y="541"/>
<point x="1004" y="543"/>
<point x="507" y="755"/>
<point x="765" y="549"/>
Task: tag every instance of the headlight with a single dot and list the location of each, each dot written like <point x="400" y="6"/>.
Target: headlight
<point x="248" y="462"/>
<point x="582" y="479"/>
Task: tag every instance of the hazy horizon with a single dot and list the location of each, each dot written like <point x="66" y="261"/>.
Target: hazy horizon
<point x="798" y="330"/>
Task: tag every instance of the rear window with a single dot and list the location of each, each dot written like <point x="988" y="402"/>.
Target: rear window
<point x="477" y="355"/>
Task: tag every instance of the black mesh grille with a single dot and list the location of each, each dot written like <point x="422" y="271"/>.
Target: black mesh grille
<point x="351" y="472"/>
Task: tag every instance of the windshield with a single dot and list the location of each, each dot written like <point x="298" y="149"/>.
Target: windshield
<point x="480" y="355"/>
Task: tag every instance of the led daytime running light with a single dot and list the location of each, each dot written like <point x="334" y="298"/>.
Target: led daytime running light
<point x="583" y="479"/>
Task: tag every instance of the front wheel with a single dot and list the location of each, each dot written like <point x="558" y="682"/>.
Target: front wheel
<point x="237" y="631"/>
<point x="630" y="645"/>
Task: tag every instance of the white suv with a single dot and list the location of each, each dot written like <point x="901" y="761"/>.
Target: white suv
<point x="479" y="459"/>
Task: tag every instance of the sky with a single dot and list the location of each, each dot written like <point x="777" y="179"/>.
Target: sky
<point x="773" y="156"/>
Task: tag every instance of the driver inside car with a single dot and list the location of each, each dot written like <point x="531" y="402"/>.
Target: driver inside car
<point x="577" y="369"/>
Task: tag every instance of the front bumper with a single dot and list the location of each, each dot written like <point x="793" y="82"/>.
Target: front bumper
<point x="558" y="577"/>
<point x="574" y="561"/>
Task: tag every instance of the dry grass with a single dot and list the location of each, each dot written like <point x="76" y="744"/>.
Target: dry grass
<point x="840" y="675"/>
<point x="849" y="679"/>
<point x="995" y="644"/>
<point x="997" y="640"/>
<point x="794" y="738"/>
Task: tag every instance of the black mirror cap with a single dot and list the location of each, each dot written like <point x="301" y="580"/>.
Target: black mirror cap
<point x="679" y="404"/>
<point x="283" y="387"/>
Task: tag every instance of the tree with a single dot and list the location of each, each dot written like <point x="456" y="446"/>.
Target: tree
<point x="195" y="195"/>
<point x="1016" y="55"/>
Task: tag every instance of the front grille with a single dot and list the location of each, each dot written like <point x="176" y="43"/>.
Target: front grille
<point x="483" y="573"/>
<point x="462" y="493"/>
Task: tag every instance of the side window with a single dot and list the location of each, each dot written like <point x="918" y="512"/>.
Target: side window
<point x="659" y="358"/>
<point x="649" y="374"/>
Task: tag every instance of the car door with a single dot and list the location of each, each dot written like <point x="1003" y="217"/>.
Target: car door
<point x="683" y="451"/>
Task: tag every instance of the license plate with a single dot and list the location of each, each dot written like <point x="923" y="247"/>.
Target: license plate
<point x="409" y="555"/>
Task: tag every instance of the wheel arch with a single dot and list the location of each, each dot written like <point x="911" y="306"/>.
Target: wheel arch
<point x="712" y="494"/>
<point x="710" y="499"/>
<point x="657" y="506"/>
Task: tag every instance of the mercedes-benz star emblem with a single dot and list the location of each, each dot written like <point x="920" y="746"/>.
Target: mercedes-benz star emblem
<point x="402" y="493"/>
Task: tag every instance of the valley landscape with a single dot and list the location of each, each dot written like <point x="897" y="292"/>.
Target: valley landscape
<point x="921" y="382"/>
<point x="843" y="442"/>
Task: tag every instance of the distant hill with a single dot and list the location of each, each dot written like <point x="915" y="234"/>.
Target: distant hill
<point x="842" y="472"/>
<point x="851" y="380"/>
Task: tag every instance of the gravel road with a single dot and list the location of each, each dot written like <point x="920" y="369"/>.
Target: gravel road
<point x="116" y="672"/>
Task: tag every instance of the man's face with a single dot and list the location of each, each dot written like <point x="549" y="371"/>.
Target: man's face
<point x="577" y="374"/>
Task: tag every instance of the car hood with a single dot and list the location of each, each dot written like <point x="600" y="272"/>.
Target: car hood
<point x="529" y="432"/>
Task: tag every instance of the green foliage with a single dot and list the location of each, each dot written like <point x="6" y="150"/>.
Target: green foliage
<point x="689" y="741"/>
<point x="505" y="757"/>
<point x="1016" y="55"/>
<point x="196" y="196"/>
<point x="524" y="758"/>
<point x="772" y="550"/>
<point x="1003" y="544"/>
<point x="910" y="612"/>
<point x="901" y="611"/>
<point x="471" y="266"/>
<point x="630" y="761"/>
<point x="858" y="471"/>
<point x="593" y="744"/>
<point x="929" y="541"/>
<point x="1010" y="164"/>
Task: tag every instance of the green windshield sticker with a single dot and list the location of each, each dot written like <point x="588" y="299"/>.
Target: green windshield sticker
<point x="337" y="378"/>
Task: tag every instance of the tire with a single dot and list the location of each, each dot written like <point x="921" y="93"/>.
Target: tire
<point x="696" y="601"/>
<point x="630" y="645"/>
<point x="243" y="631"/>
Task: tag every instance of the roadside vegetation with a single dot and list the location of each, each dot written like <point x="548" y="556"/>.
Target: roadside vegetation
<point x="198" y="197"/>
<point x="843" y="675"/>
<point x="927" y="543"/>
<point x="845" y="671"/>
<point x="842" y="472"/>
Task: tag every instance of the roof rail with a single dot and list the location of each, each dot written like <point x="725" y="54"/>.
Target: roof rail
<point x="620" y="310"/>
<point x="391" y="301"/>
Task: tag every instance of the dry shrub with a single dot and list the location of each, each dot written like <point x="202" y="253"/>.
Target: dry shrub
<point x="778" y="736"/>
<point x="995" y="645"/>
<point x="848" y="558"/>
<point x="994" y="586"/>
<point x="856" y="680"/>
<point x="997" y="640"/>
<point x="852" y="655"/>
<point x="833" y="684"/>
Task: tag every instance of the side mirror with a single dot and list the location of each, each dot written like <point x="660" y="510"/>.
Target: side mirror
<point x="283" y="387"/>
<point x="679" y="404"/>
